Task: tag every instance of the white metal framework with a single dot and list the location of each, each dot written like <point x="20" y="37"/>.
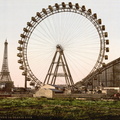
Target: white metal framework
<point x="43" y="30"/>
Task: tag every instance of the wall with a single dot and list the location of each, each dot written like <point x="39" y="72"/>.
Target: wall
<point x="43" y="93"/>
<point x="109" y="75"/>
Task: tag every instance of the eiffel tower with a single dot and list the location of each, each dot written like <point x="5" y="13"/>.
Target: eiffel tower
<point x="58" y="61"/>
<point x="6" y="83"/>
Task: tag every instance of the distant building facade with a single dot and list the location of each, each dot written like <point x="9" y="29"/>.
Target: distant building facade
<point x="107" y="76"/>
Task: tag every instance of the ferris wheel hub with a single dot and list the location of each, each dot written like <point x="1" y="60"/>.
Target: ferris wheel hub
<point x="59" y="48"/>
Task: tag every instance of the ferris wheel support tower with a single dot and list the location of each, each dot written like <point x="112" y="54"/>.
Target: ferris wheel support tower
<point x="58" y="61"/>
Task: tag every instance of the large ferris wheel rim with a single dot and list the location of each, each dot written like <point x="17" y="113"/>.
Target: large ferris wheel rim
<point x="51" y="10"/>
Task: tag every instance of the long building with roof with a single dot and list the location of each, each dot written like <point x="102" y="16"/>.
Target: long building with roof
<point x="108" y="76"/>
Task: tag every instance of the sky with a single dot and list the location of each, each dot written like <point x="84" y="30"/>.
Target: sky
<point x="14" y="14"/>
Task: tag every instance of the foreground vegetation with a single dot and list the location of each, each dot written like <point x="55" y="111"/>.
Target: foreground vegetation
<point x="58" y="109"/>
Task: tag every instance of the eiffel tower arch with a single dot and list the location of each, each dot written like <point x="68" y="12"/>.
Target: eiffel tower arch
<point x="6" y="83"/>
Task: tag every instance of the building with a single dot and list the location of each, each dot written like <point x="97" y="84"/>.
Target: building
<point x="107" y="76"/>
<point x="48" y="91"/>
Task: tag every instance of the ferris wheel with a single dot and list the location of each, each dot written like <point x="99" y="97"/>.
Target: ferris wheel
<point x="71" y="28"/>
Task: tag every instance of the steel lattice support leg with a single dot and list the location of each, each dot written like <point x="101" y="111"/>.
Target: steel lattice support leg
<point x="57" y="61"/>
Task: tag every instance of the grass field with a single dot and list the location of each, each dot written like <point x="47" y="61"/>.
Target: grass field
<point x="58" y="109"/>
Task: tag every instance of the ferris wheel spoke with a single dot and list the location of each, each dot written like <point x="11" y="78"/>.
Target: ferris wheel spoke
<point x="79" y="68"/>
<point x="37" y="55"/>
<point x="49" y="32"/>
<point x="39" y="38"/>
<point x="37" y="60"/>
<point x="64" y="26"/>
<point x="84" y="59"/>
<point x="83" y="54"/>
<point x="44" y="33"/>
<point x="52" y="28"/>
<point x="69" y="27"/>
<point x="84" y="38"/>
<point x="43" y="36"/>
<point x="72" y="33"/>
<point x="82" y="65"/>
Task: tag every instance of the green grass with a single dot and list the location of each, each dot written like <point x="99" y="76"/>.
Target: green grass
<point x="60" y="109"/>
